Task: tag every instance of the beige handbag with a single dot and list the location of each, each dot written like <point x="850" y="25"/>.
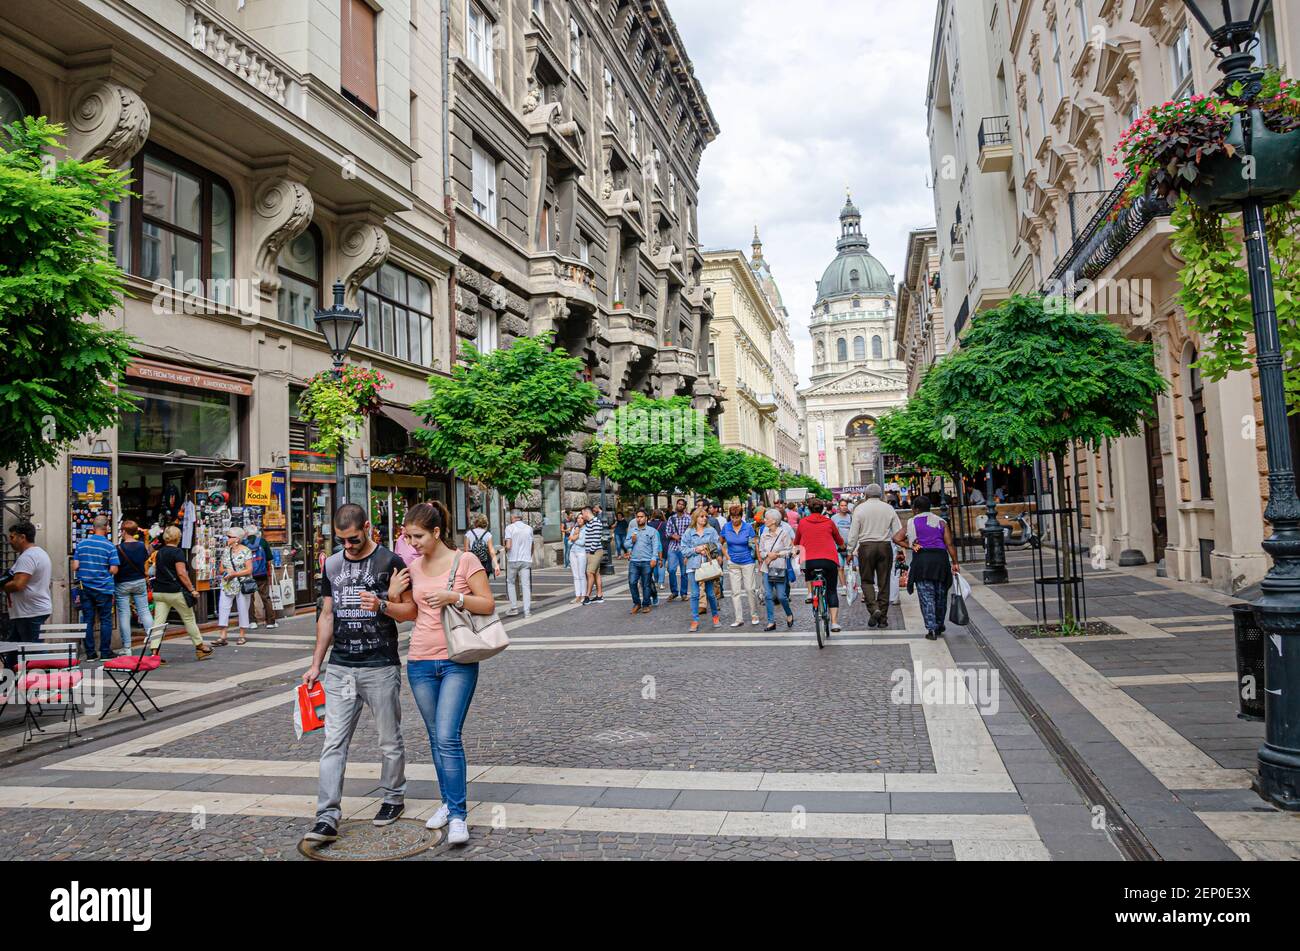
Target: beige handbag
<point x="471" y="637"/>
<point x="709" y="569"/>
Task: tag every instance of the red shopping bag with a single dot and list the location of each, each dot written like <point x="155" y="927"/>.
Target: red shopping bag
<point x="308" y="708"/>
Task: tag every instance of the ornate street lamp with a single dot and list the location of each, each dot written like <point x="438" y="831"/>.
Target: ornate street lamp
<point x="339" y="327"/>
<point x="1233" y="26"/>
<point x="995" y="543"/>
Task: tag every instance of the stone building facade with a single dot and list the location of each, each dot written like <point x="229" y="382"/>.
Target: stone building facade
<point x="919" y="330"/>
<point x="740" y="345"/>
<point x="785" y="379"/>
<point x="856" y="374"/>
<point x="576" y="134"/>
<point x="276" y="147"/>
<point x="1051" y="86"/>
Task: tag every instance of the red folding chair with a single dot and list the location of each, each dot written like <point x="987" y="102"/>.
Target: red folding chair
<point x="128" y="673"/>
<point x="48" y="675"/>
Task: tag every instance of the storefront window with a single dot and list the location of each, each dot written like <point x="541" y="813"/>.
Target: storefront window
<point x="166" y="418"/>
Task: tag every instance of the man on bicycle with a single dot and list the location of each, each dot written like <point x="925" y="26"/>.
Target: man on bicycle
<point x="818" y="541"/>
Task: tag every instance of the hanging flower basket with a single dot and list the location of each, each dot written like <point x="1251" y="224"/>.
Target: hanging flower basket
<point x="1230" y="177"/>
<point x="1197" y="147"/>
<point x="338" y="406"/>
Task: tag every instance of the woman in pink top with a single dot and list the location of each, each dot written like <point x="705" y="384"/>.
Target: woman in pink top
<point x="442" y="688"/>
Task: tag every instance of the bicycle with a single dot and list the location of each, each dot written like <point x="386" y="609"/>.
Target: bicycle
<point x="821" y="611"/>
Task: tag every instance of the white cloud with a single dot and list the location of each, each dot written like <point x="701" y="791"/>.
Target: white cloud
<point x="812" y="97"/>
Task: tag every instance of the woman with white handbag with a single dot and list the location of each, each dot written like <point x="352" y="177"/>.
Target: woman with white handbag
<point x="701" y="542"/>
<point x="451" y="593"/>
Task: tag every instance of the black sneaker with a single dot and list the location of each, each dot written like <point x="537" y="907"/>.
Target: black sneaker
<point x="872" y="623"/>
<point x="389" y="813"/>
<point x="586" y="601"/>
<point x="322" y="832"/>
<point x="90" y="657"/>
<point x="598" y="599"/>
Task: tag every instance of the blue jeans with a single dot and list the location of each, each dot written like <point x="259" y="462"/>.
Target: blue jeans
<point x="567" y="545"/>
<point x="777" y="592"/>
<point x="443" y="690"/>
<point x="695" y="598"/>
<point x="127" y="592"/>
<point x="639" y="580"/>
<point x="676" y="567"/>
<point x="102" y="602"/>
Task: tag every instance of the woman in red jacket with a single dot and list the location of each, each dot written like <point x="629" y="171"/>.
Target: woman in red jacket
<point x="818" y="542"/>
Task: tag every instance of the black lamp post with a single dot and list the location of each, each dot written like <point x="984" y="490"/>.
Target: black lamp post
<point x="1233" y="26"/>
<point x="606" y="523"/>
<point x="995" y="543"/>
<point x="339" y="327"/>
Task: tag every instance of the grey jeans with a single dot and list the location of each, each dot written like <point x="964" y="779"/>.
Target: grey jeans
<point x="523" y="570"/>
<point x="346" y="689"/>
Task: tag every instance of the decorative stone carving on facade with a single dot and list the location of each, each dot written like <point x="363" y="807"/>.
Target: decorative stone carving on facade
<point x="107" y="121"/>
<point x="489" y="290"/>
<point x="283" y="209"/>
<point x="363" y="247"/>
<point x="860" y="381"/>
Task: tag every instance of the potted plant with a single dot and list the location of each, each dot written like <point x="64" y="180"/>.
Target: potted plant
<point x="618" y="305"/>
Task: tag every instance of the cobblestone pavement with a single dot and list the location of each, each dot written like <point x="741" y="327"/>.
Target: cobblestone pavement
<point x="54" y="835"/>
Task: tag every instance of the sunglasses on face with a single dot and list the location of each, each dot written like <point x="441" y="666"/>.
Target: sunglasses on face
<point x="351" y="541"/>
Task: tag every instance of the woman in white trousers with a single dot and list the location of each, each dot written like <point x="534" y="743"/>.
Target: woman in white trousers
<point x="578" y="560"/>
<point x="236" y="563"/>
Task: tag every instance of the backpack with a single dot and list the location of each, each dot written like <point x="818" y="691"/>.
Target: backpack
<point x="259" y="560"/>
<point x="479" y="549"/>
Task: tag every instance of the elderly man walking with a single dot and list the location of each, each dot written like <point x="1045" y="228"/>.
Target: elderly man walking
<point x="874" y="523"/>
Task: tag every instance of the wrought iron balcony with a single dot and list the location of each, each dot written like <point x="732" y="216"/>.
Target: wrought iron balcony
<point x="995" y="144"/>
<point x="1104" y="238"/>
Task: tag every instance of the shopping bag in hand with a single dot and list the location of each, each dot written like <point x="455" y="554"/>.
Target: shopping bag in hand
<point x="957" y="613"/>
<point x="308" y="708"/>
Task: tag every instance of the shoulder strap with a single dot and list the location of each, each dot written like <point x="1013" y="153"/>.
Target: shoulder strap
<point x="451" y="575"/>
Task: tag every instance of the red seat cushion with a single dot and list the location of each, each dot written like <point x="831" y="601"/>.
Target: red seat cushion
<point x="56" y="681"/>
<point x="54" y="663"/>
<point x="135" y="662"/>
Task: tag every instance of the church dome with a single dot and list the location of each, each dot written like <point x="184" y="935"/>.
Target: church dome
<point x="855" y="270"/>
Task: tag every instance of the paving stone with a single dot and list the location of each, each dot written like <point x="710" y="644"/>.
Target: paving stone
<point x="833" y="802"/>
<point x="1049" y="793"/>
<point x="724" y="800"/>
<point x="637" y="798"/>
<point x="990" y="804"/>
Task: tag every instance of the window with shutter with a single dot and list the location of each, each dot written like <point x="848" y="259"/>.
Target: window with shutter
<point x="484" y="171"/>
<point x="358" y="79"/>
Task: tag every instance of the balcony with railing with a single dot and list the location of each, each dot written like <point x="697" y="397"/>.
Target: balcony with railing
<point x="995" y="144"/>
<point x="958" y="242"/>
<point x="1105" y="236"/>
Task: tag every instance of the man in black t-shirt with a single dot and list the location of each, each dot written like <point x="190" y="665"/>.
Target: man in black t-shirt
<point x="363" y="668"/>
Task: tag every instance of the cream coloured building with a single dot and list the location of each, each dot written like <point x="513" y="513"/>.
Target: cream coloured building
<point x="856" y="375"/>
<point x="1028" y="98"/>
<point x="740" y="344"/>
<point x="785" y="379"/>
<point x="919" y="329"/>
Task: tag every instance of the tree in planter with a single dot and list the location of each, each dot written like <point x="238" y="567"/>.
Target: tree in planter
<point x="56" y="271"/>
<point x="1032" y="380"/>
<point x="504" y="419"/>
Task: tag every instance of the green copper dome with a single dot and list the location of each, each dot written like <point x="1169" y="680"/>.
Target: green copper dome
<point x="855" y="270"/>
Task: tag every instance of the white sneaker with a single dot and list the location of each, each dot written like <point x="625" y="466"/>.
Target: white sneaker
<point x="458" y="834"/>
<point x="438" y="819"/>
<point x="252" y="627"/>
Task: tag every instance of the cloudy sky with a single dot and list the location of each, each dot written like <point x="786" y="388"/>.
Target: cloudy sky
<point x="809" y="103"/>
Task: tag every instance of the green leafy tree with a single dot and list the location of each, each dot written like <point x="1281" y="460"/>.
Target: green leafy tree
<point x="731" y="476"/>
<point x="56" y="276"/>
<point x="504" y="419"/>
<point x="763" y="474"/>
<point x="649" y="443"/>
<point x="1034" y="377"/>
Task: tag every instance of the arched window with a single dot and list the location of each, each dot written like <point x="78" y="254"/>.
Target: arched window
<point x="841" y="350"/>
<point x="16" y="98"/>
<point x="857" y="302"/>
<point x="859" y="349"/>
<point x="877" y="349"/>
<point x="1200" y="443"/>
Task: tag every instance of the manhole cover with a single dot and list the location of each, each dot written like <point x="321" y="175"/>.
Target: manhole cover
<point x="360" y="840"/>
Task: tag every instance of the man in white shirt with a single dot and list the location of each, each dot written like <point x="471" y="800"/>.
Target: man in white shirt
<point x="519" y="562"/>
<point x="874" y="525"/>
<point x="29" y="586"/>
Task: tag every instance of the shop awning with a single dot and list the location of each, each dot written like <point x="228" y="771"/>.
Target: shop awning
<point x="403" y="417"/>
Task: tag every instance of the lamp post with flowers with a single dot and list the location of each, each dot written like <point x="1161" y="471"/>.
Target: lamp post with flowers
<point x="1259" y="167"/>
